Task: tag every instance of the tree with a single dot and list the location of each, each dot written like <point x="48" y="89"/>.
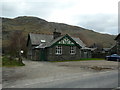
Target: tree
<point x="17" y="43"/>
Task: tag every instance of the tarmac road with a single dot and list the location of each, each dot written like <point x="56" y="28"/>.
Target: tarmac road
<point x="108" y="79"/>
<point x="61" y="75"/>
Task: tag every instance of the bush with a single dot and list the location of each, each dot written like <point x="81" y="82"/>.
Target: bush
<point x="7" y="61"/>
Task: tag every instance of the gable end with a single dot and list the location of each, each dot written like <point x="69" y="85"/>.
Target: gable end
<point x="67" y="41"/>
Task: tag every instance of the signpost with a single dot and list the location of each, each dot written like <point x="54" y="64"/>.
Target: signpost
<point x="20" y="55"/>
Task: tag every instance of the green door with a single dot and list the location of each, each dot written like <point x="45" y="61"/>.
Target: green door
<point x="42" y="55"/>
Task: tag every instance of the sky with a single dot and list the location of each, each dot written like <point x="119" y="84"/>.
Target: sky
<point x="98" y="15"/>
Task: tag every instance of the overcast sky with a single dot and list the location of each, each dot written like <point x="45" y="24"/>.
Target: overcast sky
<point x="97" y="15"/>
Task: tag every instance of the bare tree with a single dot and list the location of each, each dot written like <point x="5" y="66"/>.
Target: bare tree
<point x="17" y="43"/>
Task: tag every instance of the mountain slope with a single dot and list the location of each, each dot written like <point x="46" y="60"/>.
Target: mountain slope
<point x="37" y="25"/>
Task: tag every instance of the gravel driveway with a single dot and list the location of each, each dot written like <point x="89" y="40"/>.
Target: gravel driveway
<point x="36" y="69"/>
<point x="92" y="65"/>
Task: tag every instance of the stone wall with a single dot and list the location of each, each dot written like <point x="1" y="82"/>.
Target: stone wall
<point x="52" y="56"/>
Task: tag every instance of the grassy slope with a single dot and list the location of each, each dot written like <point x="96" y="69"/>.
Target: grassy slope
<point x="37" y="25"/>
<point x="105" y="39"/>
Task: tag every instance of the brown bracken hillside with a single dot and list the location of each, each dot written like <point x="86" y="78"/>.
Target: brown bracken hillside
<point x="37" y="25"/>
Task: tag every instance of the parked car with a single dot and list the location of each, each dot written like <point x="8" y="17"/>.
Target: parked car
<point x="113" y="57"/>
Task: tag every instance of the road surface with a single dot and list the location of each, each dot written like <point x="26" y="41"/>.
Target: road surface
<point x="108" y="79"/>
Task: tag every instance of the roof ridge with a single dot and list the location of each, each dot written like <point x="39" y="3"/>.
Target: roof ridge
<point x="52" y="34"/>
<point x="41" y="33"/>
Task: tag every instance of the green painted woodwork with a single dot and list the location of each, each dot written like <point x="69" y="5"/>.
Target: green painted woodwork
<point x="65" y="41"/>
<point x="42" y="54"/>
<point x="66" y="44"/>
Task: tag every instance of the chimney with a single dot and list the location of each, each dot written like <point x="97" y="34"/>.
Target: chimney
<point x="56" y="34"/>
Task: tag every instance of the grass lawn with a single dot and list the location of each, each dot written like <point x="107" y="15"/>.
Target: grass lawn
<point x="6" y="62"/>
<point x="83" y="59"/>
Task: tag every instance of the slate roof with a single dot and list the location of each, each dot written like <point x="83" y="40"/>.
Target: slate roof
<point x="80" y="43"/>
<point x="54" y="40"/>
<point x="36" y="40"/>
<point x="106" y="49"/>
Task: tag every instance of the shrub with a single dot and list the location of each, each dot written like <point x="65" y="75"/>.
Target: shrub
<point x="9" y="62"/>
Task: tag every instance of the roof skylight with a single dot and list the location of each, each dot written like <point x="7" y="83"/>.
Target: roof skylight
<point x="43" y="41"/>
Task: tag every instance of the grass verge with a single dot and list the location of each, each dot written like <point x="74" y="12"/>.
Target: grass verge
<point x="83" y="59"/>
<point x="6" y="62"/>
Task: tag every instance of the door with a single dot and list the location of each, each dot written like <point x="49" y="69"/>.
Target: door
<point x="42" y="54"/>
<point x="85" y="55"/>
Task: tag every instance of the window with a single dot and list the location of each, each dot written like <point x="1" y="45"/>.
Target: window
<point x="72" y="49"/>
<point x="58" y="50"/>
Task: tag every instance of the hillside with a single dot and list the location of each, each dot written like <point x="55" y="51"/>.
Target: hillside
<point x="37" y="25"/>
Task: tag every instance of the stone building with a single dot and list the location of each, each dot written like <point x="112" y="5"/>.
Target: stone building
<point x="56" y="47"/>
